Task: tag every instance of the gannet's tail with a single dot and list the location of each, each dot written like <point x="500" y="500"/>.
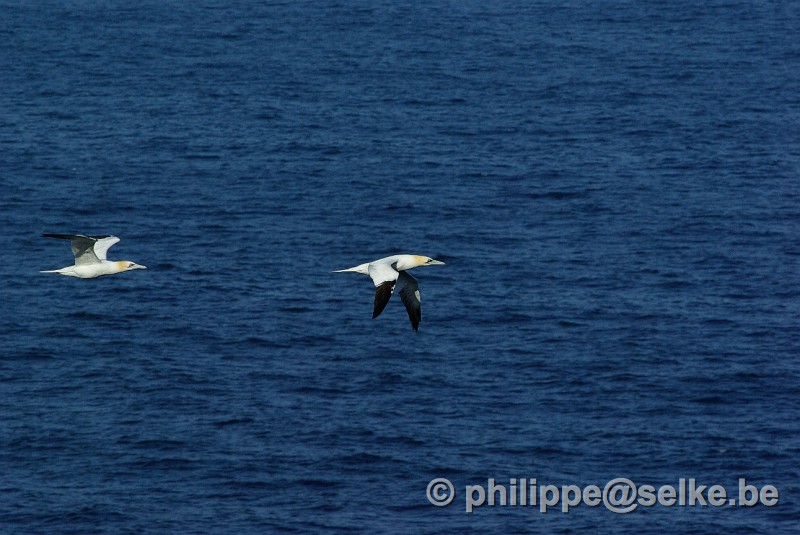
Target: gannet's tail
<point x="62" y="271"/>
<point x="361" y="268"/>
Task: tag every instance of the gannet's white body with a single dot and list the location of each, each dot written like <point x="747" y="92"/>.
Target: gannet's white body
<point x="90" y="257"/>
<point x="393" y="270"/>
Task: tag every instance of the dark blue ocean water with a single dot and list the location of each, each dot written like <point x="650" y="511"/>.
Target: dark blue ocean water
<point x="614" y="186"/>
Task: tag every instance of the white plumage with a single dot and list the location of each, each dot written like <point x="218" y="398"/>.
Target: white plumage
<point x="90" y="257"/>
<point x="390" y="273"/>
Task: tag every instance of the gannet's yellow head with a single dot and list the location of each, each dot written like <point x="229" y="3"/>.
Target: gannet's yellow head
<point x="426" y="261"/>
<point x="127" y="265"/>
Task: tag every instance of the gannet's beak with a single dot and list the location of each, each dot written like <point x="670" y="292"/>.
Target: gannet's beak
<point x="436" y="263"/>
<point x="138" y="266"/>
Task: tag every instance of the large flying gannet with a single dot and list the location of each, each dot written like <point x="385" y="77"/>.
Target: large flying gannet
<point x="393" y="270"/>
<point x="90" y="257"/>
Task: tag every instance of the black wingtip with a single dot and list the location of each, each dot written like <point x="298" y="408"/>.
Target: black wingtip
<point x="415" y="316"/>
<point x="73" y="236"/>
<point x="382" y="294"/>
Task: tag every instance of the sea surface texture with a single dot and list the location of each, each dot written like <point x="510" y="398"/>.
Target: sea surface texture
<point x="614" y="187"/>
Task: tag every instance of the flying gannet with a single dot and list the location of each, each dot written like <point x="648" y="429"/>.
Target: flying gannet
<point x="90" y="257"/>
<point x="393" y="270"/>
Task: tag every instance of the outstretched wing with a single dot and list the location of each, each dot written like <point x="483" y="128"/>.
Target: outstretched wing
<point x="384" y="276"/>
<point x="408" y="288"/>
<point x="103" y="244"/>
<point x="84" y="247"/>
<point x="383" y="292"/>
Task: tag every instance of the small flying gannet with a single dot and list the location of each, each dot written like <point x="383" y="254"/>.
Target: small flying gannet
<point x="393" y="270"/>
<point x="90" y="257"/>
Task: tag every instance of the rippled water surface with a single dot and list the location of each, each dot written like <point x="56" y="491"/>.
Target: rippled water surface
<point x="613" y="186"/>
